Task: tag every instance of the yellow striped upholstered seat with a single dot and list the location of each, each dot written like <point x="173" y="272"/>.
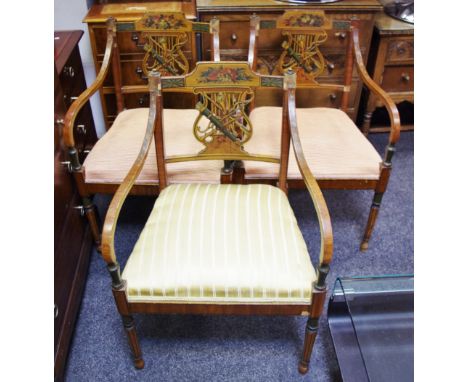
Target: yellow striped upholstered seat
<point x="221" y="244"/>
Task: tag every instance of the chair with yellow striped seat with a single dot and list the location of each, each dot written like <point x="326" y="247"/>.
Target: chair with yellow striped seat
<point x="220" y="248"/>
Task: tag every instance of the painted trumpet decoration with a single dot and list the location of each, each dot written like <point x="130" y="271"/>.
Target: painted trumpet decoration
<point x="164" y="53"/>
<point x="301" y="53"/>
<point x="219" y="125"/>
<point x="226" y="114"/>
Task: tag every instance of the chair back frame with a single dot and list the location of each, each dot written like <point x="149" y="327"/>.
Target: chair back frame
<point x="225" y="90"/>
<point x="165" y="35"/>
<point x="305" y="31"/>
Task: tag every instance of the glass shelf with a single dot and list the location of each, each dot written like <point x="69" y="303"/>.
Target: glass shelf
<point x="371" y="320"/>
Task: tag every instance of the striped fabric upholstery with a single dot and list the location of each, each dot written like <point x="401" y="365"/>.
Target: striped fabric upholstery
<point x="220" y="244"/>
<point x="113" y="155"/>
<point x="333" y="145"/>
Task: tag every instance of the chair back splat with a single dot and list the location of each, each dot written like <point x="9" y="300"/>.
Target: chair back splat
<point x="225" y="91"/>
<point x="304" y="33"/>
<point x="162" y="38"/>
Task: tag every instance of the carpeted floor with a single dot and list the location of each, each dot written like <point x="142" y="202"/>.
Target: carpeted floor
<point x="207" y="348"/>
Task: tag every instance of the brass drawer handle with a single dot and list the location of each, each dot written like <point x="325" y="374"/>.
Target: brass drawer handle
<point x="330" y="66"/>
<point x="142" y="100"/>
<point x="80" y="209"/>
<point x="340" y="35"/>
<point x="405" y="77"/>
<point x="332" y="97"/>
<point x="233" y="37"/>
<point x="69" y="71"/>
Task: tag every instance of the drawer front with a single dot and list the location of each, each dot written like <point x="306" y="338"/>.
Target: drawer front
<point x="400" y="50"/>
<point x="267" y="62"/>
<point x="234" y="33"/>
<point x="398" y="78"/>
<point x="129" y="42"/>
<point x="306" y="97"/>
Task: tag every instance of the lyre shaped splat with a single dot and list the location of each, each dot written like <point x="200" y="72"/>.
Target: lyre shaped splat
<point x="305" y="32"/>
<point x="222" y="122"/>
<point x="164" y="54"/>
<point x="165" y="36"/>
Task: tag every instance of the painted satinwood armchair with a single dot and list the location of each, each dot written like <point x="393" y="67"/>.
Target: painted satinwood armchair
<point x="339" y="155"/>
<point x="220" y="248"/>
<point x="164" y="42"/>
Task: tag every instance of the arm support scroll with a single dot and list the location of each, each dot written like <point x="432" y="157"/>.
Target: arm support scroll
<point x="110" y="223"/>
<point x="376" y="89"/>
<point x="76" y="106"/>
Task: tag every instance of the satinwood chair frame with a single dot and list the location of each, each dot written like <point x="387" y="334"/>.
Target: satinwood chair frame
<point x="220" y="148"/>
<point x="316" y="24"/>
<point x="153" y="25"/>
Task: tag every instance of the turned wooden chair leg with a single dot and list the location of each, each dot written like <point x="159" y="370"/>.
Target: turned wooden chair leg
<point x="374" y="211"/>
<point x="309" y="340"/>
<point x="319" y="293"/>
<point x="129" y="325"/>
<point x="118" y="290"/>
<point x="92" y="215"/>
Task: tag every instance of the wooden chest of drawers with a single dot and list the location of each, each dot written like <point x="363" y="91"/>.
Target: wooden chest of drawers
<point x="72" y="245"/>
<point x="234" y="36"/>
<point x="234" y="42"/>
<point x="130" y="55"/>
<point x="391" y="65"/>
<point x="72" y="81"/>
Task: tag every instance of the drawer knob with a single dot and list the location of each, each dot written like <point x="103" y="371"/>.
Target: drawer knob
<point x="340" y="35"/>
<point x="330" y="66"/>
<point x="332" y="97"/>
<point x="143" y="100"/>
<point x="81" y="129"/>
<point x="135" y="37"/>
<point x="67" y="165"/>
<point x="405" y="77"/>
<point x="139" y="71"/>
<point x="69" y="71"/>
<point x="233" y="37"/>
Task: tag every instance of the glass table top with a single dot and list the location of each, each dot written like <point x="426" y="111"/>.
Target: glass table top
<point x="375" y="318"/>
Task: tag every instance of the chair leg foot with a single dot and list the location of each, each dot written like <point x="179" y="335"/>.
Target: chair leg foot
<point x="139" y="363"/>
<point x="129" y="326"/>
<point x="364" y="246"/>
<point x="309" y="340"/>
<point x="374" y="211"/>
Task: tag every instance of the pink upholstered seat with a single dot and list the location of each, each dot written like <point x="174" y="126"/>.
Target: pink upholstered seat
<point x="111" y="158"/>
<point x="333" y="145"/>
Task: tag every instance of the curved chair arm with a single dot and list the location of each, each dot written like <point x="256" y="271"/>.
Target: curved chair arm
<point x="110" y="223"/>
<point x="323" y="216"/>
<point x="377" y="90"/>
<point x="76" y="106"/>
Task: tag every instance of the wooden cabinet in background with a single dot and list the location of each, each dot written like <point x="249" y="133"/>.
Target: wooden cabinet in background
<point x="391" y="65"/>
<point x="234" y="42"/>
<point x="131" y="55"/>
<point x="72" y="237"/>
